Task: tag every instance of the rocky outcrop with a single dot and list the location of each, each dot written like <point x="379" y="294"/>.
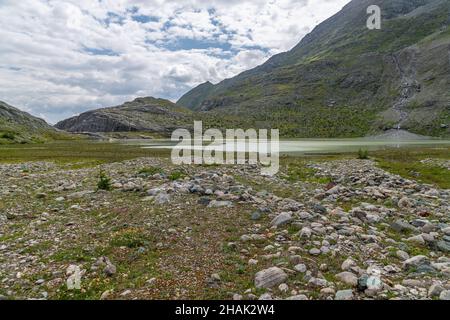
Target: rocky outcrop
<point x="142" y="114"/>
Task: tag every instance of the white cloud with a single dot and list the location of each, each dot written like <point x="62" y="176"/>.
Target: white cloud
<point x="59" y="58"/>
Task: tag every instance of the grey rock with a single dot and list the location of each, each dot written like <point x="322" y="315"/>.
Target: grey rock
<point x="445" y="295"/>
<point x="443" y="246"/>
<point x="257" y="215"/>
<point x="162" y="198"/>
<point x="435" y="290"/>
<point x="315" y="252"/>
<point x="402" y="226"/>
<point x="344" y="295"/>
<point x="300" y="268"/>
<point x="298" y="297"/>
<point x="348" y="278"/>
<point x="220" y="204"/>
<point x="282" y="219"/>
<point x="269" y="278"/>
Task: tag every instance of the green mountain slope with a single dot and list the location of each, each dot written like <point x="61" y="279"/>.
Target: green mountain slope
<point x="345" y="80"/>
<point x="20" y="127"/>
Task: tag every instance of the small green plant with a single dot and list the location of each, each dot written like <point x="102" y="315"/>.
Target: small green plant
<point x="104" y="182"/>
<point x="363" y="154"/>
<point x="176" y="175"/>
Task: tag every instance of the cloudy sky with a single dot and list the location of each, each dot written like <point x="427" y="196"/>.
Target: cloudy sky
<point x="59" y="58"/>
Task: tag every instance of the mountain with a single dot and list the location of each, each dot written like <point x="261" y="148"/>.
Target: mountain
<point x="142" y="114"/>
<point x="20" y="127"/>
<point x="344" y="80"/>
<point x="194" y="98"/>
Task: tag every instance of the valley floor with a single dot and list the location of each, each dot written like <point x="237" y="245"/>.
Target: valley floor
<point x="324" y="228"/>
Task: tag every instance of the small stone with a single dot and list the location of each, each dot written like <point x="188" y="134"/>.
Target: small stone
<point x="415" y="262"/>
<point x="283" y="287"/>
<point x="374" y="284"/>
<point x="348" y="278"/>
<point x="269" y="278"/>
<point x="110" y="269"/>
<point x="328" y="291"/>
<point x="282" y="219"/>
<point x="252" y="262"/>
<point x="220" y="204"/>
<point x="305" y="233"/>
<point x="300" y="268"/>
<point x="347" y="264"/>
<point x="162" y="198"/>
<point x="435" y="290"/>
<point x="405" y="202"/>
<point x="314" y="252"/>
<point x="125" y="293"/>
<point x="266" y="296"/>
<point x="105" y="295"/>
<point x="402" y="226"/>
<point x="362" y="282"/>
<point x="416" y="239"/>
<point x="445" y="295"/>
<point x="443" y="246"/>
<point x="216" y="277"/>
<point x="257" y="215"/>
<point x="298" y="297"/>
<point x="402" y="255"/>
<point x="237" y="297"/>
<point x="344" y="295"/>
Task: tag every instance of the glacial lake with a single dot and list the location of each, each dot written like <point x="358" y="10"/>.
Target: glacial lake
<point x="313" y="146"/>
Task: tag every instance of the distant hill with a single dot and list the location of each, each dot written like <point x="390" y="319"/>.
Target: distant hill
<point x="20" y="127"/>
<point x="143" y="114"/>
<point x="344" y="80"/>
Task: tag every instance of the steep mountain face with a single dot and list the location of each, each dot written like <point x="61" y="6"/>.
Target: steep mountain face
<point x="346" y="80"/>
<point x="142" y="114"/>
<point x="20" y="127"/>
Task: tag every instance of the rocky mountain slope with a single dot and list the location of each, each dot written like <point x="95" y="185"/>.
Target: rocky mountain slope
<point x="346" y="80"/>
<point x="20" y="127"/>
<point x="142" y="114"/>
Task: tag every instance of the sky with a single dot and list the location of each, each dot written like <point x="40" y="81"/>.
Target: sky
<point x="59" y="58"/>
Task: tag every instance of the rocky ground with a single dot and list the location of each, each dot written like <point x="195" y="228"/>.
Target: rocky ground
<point x="348" y="230"/>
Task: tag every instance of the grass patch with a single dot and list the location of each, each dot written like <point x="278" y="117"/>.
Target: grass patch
<point x="131" y="238"/>
<point x="406" y="163"/>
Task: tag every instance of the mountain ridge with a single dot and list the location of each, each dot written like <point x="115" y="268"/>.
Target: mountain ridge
<point x="18" y="126"/>
<point x="142" y="114"/>
<point x="343" y="73"/>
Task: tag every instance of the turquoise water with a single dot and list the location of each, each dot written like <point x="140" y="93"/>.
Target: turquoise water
<point x="314" y="146"/>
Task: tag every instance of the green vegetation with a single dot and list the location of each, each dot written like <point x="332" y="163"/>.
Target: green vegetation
<point x="300" y="171"/>
<point x="7" y="135"/>
<point x="363" y="154"/>
<point x="76" y="153"/>
<point x="131" y="238"/>
<point x="104" y="182"/>
<point x="176" y="175"/>
<point x="408" y="163"/>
